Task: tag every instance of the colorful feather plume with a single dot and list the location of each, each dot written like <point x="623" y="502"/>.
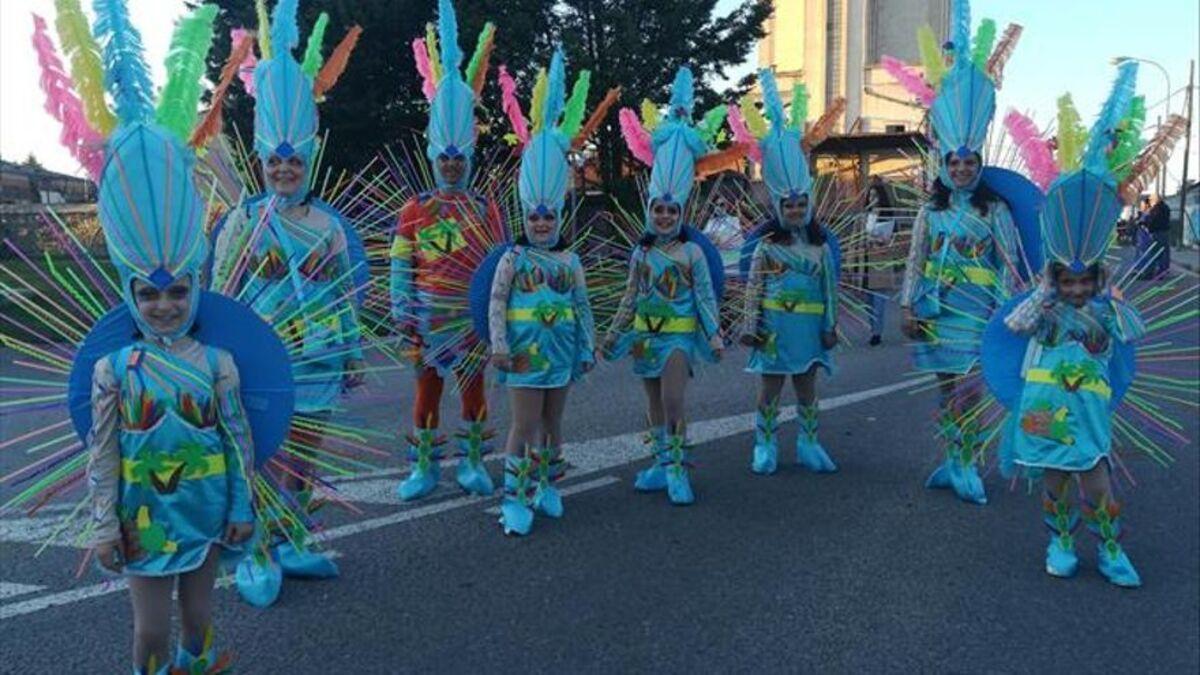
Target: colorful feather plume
<point x="1129" y="138"/>
<point x="125" y="71"/>
<point x="1071" y="135"/>
<point x="597" y="118"/>
<point x="710" y="125"/>
<point x="1003" y="50"/>
<point x="910" y="79"/>
<point x="313" y="56"/>
<point x="285" y="33"/>
<point x="87" y="71"/>
<point x="932" y="59"/>
<point x="821" y="129"/>
<point x="512" y="107"/>
<point x="180" y="98"/>
<point x="85" y="143"/>
<point x="637" y="138"/>
<point x="477" y="67"/>
<point x="425" y="68"/>
<point x="799" y="110"/>
<point x="210" y="125"/>
<point x="1153" y="156"/>
<point x="1035" y="150"/>
<point x="742" y="135"/>
<point x="336" y="64"/>
<point x="573" y="114"/>
<point x="985" y="37"/>
<point x="245" y="70"/>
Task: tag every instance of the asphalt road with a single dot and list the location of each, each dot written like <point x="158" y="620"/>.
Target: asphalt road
<point x="863" y="570"/>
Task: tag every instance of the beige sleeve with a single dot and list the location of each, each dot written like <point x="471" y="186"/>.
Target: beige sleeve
<point x="104" y="454"/>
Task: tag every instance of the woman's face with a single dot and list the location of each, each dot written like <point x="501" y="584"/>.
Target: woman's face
<point x="962" y="170"/>
<point x="451" y="168"/>
<point x="665" y="217"/>
<point x="541" y="227"/>
<point x="285" y="177"/>
<point x="164" y="310"/>
<point x="794" y="211"/>
<point x="1076" y="289"/>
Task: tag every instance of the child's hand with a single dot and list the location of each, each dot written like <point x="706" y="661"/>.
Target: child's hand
<point x="502" y="362"/>
<point x="108" y="554"/>
<point x="829" y="339"/>
<point x="236" y="533"/>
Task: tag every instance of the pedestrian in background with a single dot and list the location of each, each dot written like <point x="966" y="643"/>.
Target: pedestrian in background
<point x="1159" y="224"/>
<point x="879" y="273"/>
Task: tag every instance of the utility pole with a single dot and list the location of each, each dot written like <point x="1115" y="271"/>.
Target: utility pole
<point x="1187" y="146"/>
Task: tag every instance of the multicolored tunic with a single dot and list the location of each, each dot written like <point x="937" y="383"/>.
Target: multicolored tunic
<point x="440" y="239"/>
<point x="294" y="269"/>
<point x="539" y="315"/>
<point x="170" y="453"/>
<point x="791" y="300"/>
<point x="1064" y="419"/>
<point x="668" y="306"/>
<point x="960" y="265"/>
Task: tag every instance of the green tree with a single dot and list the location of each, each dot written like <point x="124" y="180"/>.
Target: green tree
<point x="639" y="44"/>
<point x="32" y="162"/>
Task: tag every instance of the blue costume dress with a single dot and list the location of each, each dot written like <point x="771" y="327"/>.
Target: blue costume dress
<point x="960" y="264"/>
<point x="791" y="301"/>
<point x="540" y="316"/>
<point x="172" y="442"/>
<point x="668" y="306"/>
<point x="1064" y="418"/>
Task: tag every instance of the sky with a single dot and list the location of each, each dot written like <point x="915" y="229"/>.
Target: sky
<point x="1067" y="46"/>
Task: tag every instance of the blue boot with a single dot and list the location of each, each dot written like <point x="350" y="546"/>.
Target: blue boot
<point x="679" y="485"/>
<point x="152" y="668"/>
<point x="474" y="441"/>
<point x="654" y="477"/>
<point x="208" y="662"/>
<point x="515" y="515"/>
<point x="258" y="578"/>
<point x="1063" y="519"/>
<point x="304" y="564"/>
<point x="1104" y="522"/>
<point x="809" y="452"/>
<point x="943" y="477"/>
<point x="766" y="441"/>
<point x="424" y="451"/>
<point x="549" y="467"/>
<point x="965" y="479"/>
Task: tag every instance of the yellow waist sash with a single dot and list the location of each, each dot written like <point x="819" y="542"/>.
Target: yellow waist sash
<point x="980" y="276"/>
<point x="675" y="324"/>
<point x="1045" y="376"/>
<point x="530" y="314"/>
<point x="213" y="465"/>
<point x="794" y="307"/>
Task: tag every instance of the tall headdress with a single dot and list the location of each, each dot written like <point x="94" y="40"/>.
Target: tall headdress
<point x="451" y="93"/>
<point x="674" y="147"/>
<point x="286" y="91"/>
<point x="558" y="127"/>
<point x="960" y="80"/>
<point x="149" y="208"/>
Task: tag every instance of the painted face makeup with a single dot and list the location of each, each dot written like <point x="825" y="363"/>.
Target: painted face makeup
<point x="541" y="228"/>
<point x="164" y="309"/>
<point x="451" y="168"/>
<point x="664" y="217"/>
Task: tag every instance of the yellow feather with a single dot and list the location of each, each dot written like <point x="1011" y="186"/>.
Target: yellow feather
<point x="649" y="115"/>
<point x="538" y="104"/>
<point x="264" y="30"/>
<point x="755" y="121"/>
<point x="435" y="54"/>
<point x="931" y="55"/>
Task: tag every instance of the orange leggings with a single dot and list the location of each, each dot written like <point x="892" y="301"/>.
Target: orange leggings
<point x="429" y="398"/>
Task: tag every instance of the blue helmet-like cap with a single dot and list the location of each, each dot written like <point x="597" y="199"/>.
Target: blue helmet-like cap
<point x="784" y="164"/>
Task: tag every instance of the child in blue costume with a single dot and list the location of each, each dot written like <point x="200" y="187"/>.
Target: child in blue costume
<point x="540" y="322"/>
<point x="791" y="300"/>
<point x="1062" y="426"/>
<point x="170" y="450"/>
<point x="285" y="254"/>
<point x="962" y="259"/>
<point x="668" y="315"/>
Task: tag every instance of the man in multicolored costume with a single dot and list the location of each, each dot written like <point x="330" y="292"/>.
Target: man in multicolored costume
<point x="441" y="236"/>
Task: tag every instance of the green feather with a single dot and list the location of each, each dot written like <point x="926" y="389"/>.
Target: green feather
<point x="1072" y="136"/>
<point x="485" y="36"/>
<point x="576" y="105"/>
<point x="177" y="106"/>
<point x="985" y="37"/>
<point x="931" y="56"/>
<point x="710" y="125"/>
<point x="313" y="58"/>
<point x="799" y="106"/>
<point x="1129" y="138"/>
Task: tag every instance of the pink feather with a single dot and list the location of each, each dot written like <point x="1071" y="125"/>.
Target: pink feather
<point x="910" y="79"/>
<point x="84" y="142"/>
<point x="742" y="135"/>
<point x="636" y="136"/>
<point x="1034" y="149"/>
<point x="512" y="107"/>
<point x="246" y="69"/>
<point x="421" y="55"/>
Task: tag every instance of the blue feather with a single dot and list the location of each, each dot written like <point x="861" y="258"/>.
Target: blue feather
<point x="285" y="34"/>
<point x="960" y="30"/>
<point x="683" y="90"/>
<point x="556" y="91"/>
<point x="448" y="34"/>
<point x="1101" y="137"/>
<point x="772" y="103"/>
<point x="126" y="74"/>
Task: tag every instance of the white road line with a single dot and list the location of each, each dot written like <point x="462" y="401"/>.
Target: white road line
<point x="586" y="458"/>
<point x="103" y="588"/>
<point x="573" y="489"/>
<point x="11" y="590"/>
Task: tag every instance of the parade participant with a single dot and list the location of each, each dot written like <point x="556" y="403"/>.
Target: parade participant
<point x="1062" y="357"/>
<point x="441" y="236"/>
<point x="964" y="255"/>
<point x="539" y="320"/>
<point x="285" y="253"/>
<point x="668" y="315"/>
<point x="157" y="383"/>
<point x="790" y="317"/>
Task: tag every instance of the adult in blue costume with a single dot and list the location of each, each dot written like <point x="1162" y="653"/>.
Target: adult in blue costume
<point x="540" y="322"/>
<point x="1061" y="425"/>
<point x="964" y="257"/>
<point x="286" y="255"/>
<point x="668" y="316"/>
<point x="170" y="445"/>
<point x="790" y="317"/>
